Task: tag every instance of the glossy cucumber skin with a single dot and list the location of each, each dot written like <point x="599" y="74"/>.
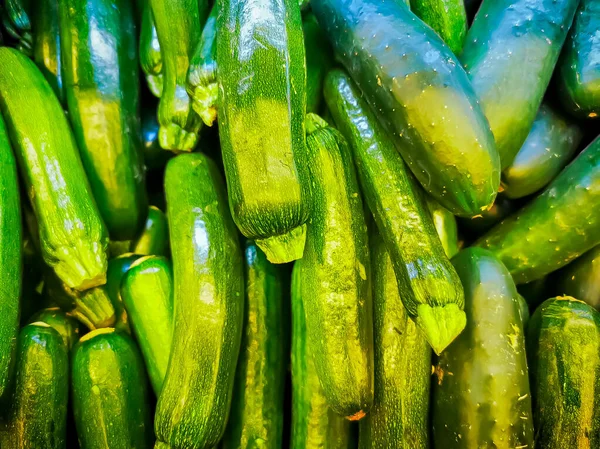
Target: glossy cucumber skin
<point x="559" y="225"/>
<point x="150" y="56"/>
<point x="66" y="326"/>
<point x="153" y="239"/>
<point x="194" y="403"/>
<point x="319" y="59"/>
<point x="581" y="278"/>
<point x="110" y="392"/>
<point x="445" y="226"/>
<point x="314" y="424"/>
<point x="261" y="127"/>
<point x="147" y="292"/>
<point x="421" y="94"/>
<point x="46" y="44"/>
<point x="429" y="284"/>
<point x="510" y="54"/>
<point x="399" y="418"/>
<point x="117" y="269"/>
<point x="54" y="177"/>
<point x="448" y="18"/>
<point x="549" y="147"/>
<point x="563" y="346"/>
<point x="481" y="396"/>
<point x="257" y="407"/>
<point x="102" y="89"/>
<point x="579" y="66"/>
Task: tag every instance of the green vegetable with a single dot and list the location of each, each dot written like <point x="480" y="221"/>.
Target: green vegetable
<point x="445" y="226"/>
<point x="153" y="240"/>
<point x="65" y="325"/>
<point x="319" y="59"/>
<point x="524" y="308"/>
<point x="155" y="158"/>
<point x="260" y="46"/>
<point x="448" y="18"/>
<point x="430" y="288"/>
<point x="581" y="278"/>
<point x="419" y="91"/>
<point x="481" y="397"/>
<point x="563" y="346"/>
<point x="72" y="234"/>
<point x="117" y="269"/>
<point x="150" y="55"/>
<point x="510" y="54"/>
<point x="209" y="304"/>
<point x="46" y="44"/>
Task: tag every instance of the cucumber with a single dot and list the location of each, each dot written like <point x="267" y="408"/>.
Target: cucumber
<point x="147" y="292"/>
<point x="260" y="46"/>
<point x="448" y="18"/>
<point x="481" y="396"/>
<point x="150" y="56"/>
<point x="581" y="278"/>
<point x="110" y="392"/>
<point x="257" y="407"/>
<point x="319" y="59"/>
<point x="400" y="415"/>
<point x="65" y="325"/>
<point x="117" y="269"/>
<point x="556" y="227"/>
<point x="510" y="54"/>
<point x="314" y="424"/>
<point x="46" y="44"/>
<point x="193" y="405"/>
<point x="445" y="226"/>
<point x="153" y="239"/>
<point x="549" y="147"/>
<point x="563" y="346"/>
<point x="421" y="94"/>
<point x="53" y="175"/>
<point x="430" y="288"/>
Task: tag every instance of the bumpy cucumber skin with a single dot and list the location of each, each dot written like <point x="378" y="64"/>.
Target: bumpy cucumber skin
<point x="194" y="403"/>
<point x="153" y="239"/>
<point x="579" y="66"/>
<point x="72" y="234"/>
<point x="445" y="226"/>
<point x="481" y="396"/>
<point x="399" y="418"/>
<point x="46" y="44"/>
<point x="581" y="278"/>
<point x="563" y="346"/>
<point x="257" y="407"/>
<point x="510" y="54"/>
<point x="65" y="325"/>
<point x="559" y="225"/>
<point x="549" y="147"/>
<point x="319" y="59"/>
<point x="420" y="92"/>
<point x="314" y="424"/>
<point x="426" y="277"/>
<point x="150" y="56"/>
<point x="448" y="18"/>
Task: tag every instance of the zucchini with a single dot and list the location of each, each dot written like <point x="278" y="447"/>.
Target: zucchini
<point x="117" y="269"/>
<point x="581" y="278"/>
<point x="147" y="292"/>
<point x="510" y="54"/>
<point x="150" y="56"/>
<point x="481" y="397"/>
<point x="260" y="46"/>
<point x="400" y="415"/>
<point x="54" y="177"/>
<point x="153" y="239"/>
<point x="193" y="405"/>
<point x="445" y="226"/>
<point x="319" y="59"/>
<point x="422" y="95"/>
<point x="155" y="158"/>
<point x="257" y="407"/>
<point x="110" y="392"/>
<point x="46" y="44"/>
<point x="549" y="147"/>
<point x="430" y="288"/>
<point x="556" y="227"/>
<point x="563" y="345"/>
<point x="448" y="18"/>
<point x="65" y="325"/>
<point x="335" y="275"/>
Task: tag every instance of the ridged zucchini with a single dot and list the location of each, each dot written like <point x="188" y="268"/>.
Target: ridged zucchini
<point x="581" y="278"/>
<point x="150" y="55"/>
<point x="65" y="325"/>
<point x="117" y="269"/>
<point x="46" y="44"/>
<point x="448" y="18"/>
<point x="319" y="59"/>
<point x="153" y="239"/>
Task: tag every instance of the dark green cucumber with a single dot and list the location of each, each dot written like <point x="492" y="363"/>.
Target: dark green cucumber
<point x="65" y="325"/>
<point x="445" y="226"/>
<point x="147" y="292"/>
<point x="430" y="288"/>
<point x="581" y="278"/>
<point x="556" y="227"/>
<point x="319" y="59"/>
<point x="202" y="74"/>
<point x="46" y="44"/>
<point x="110" y="392"/>
<point x="150" y="56"/>
<point x="153" y="240"/>
<point x="314" y="424"/>
<point x="579" y="65"/>
<point x="563" y="346"/>
<point x="400" y="415"/>
<point x="257" y="407"/>
<point x="260" y="47"/>
<point x="72" y="234"/>
<point x="510" y="54"/>
<point x="117" y="269"/>
<point x="194" y="403"/>
<point x="335" y="275"/>
<point x="420" y="92"/>
<point x="38" y="411"/>
<point x="549" y="147"/>
<point x="481" y="223"/>
<point x="448" y="18"/>
<point x="155" y="158"/>
<point x="481" y="397"/>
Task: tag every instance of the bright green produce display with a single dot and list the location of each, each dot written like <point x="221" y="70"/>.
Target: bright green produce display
<point x="400" y="415"/>
<point x="448" y="18"/>
<point x="117" y="269"/>
<point x="563" y="346"/>
<point x="423" y="96"/>
<point x="149" y="50"/>
<point x="581" y="278"/>
<point x="153" y="239"/>
<point x="510" y="54"/>
<point x="260" y="46"/>
<point x="549" y="147"/>
<point x="46" y="44"/>
<point x="319" y="59"/>
<point x="556" y="227"/>
<point x="72" y="235"/>
<point x="430" y="288"/>
<point x="147" y="293"/>
<point x="481" y="395"/>
<point x="208" y="276"/>
<point x="65" y="325"/>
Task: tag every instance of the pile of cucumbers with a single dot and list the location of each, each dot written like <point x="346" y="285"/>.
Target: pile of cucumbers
<point x="305" y="224"/>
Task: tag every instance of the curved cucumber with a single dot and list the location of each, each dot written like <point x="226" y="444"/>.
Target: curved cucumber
<point x="46" y="44"/>
<point x="448" y="18"/>
<point x="117" y="269"/>
<point x="150" y="56"/>
<point x="319" y="59"/>
<point x="153" y="239"/>
<point x="581" y="278"/>
<point x="66" y="326"/>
